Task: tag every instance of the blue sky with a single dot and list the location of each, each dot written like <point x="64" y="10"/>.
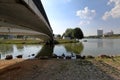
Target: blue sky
<point x="89" y="15"/>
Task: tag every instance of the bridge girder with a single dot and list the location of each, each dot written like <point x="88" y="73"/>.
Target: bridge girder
<point x="24" y="15"/>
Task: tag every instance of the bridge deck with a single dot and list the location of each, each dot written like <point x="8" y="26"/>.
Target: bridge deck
<point x="15" y="12"/>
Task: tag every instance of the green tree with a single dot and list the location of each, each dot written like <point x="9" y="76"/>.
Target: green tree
<point x="59" y="35"/>
<point x="69" y="33"/>
<point x="78" y="34"/>
<point x="74" y="33"/>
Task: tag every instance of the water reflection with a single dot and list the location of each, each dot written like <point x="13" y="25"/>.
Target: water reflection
<point x="76" y="48"/>
<point x="93" y="47"/>
<point x="0" y="56"/>
<point x="105" y="43"/>
<point x="46" y="52"/>
<point x="100" y="43"/>
<point x="64" y="51"/>
<point x="6" y="48"/>
<point x="68" y="51"/>
<point x="97" y="47"/>
<point x="19" y="51"/>
<point x="20" y="47"/>
<point x="109" y="43"/>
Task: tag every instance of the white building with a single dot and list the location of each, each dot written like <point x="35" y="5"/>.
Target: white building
<point x="110" y="33"/>
<point x="100" y="32"/>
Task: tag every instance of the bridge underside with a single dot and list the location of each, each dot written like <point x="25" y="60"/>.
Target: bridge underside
<point x="18" y="14"/>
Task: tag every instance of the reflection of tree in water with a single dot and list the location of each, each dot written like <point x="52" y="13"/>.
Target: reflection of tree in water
<point x="20" y="47"/>
<point x="6" y="48"/>
<point x="76" y="48"/>
<point x="47" y="50"/>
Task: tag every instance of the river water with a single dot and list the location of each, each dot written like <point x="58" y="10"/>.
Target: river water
<point x="94" y="47"/>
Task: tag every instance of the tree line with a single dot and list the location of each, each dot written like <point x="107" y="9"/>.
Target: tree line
<point x="75" y="33"/>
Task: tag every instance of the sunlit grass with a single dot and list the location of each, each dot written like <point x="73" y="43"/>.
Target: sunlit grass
<point x="20" y="41"/>
<point x="59" y="41"/>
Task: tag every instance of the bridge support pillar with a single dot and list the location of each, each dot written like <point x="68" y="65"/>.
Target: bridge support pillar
<point x="50" y="42"/>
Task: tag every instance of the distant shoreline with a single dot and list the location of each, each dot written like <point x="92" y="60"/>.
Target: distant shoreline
<point x="102" y="38"/>
<point x="20" y="41"/>
<point x="58" y="41"/>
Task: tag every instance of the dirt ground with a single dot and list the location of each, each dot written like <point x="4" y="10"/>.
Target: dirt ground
<point x="54" y="69"/>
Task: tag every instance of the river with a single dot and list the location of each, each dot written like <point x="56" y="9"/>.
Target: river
<point x="94" y="47"/>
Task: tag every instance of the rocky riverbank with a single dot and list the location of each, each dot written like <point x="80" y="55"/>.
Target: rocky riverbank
<point x="53" y="69"/>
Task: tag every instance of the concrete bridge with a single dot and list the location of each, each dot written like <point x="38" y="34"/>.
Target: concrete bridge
<point x="27" y="15"/>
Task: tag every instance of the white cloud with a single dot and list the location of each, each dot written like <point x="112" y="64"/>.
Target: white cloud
<point x="114" y="12"/>
<point x="86" y="13"/>
<point x="82" y="23"/>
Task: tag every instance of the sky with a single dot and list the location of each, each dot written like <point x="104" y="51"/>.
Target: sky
<point x="89" y="15"/>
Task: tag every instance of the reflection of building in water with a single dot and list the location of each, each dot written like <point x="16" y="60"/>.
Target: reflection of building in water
<point x="110" y="43"/>
<point x="100" y="32"/>
<point x="105" y="43"/>
<point x="100" y="43"/>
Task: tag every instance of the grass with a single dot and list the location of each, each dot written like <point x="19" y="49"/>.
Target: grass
<point x="60" y="41"/>
<point x="20" y="41"/>
<point x="115" y="61"/>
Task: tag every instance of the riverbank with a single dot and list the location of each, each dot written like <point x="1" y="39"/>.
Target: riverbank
<point x="60" y="69"/>
<point x="20" y="41"/>
<point x="61" y="41"/>
<point x="6" y="41"/>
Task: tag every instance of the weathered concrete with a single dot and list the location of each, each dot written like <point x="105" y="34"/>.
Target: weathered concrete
<point x="24" y="14"/>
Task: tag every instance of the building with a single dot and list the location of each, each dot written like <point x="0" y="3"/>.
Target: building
<point x="100" y="32"/>
<point x="57" y="36"/>
<point x="110" y="33"/>
<point x="66" y="37"/>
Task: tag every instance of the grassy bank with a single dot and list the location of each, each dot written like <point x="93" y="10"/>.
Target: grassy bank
<point x="20" y="42"/>
<point x="60" y="41"/>
<point x="114" y="62"/>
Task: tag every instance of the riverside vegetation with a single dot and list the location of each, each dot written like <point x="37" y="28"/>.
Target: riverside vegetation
<point x="57" y="41"/>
